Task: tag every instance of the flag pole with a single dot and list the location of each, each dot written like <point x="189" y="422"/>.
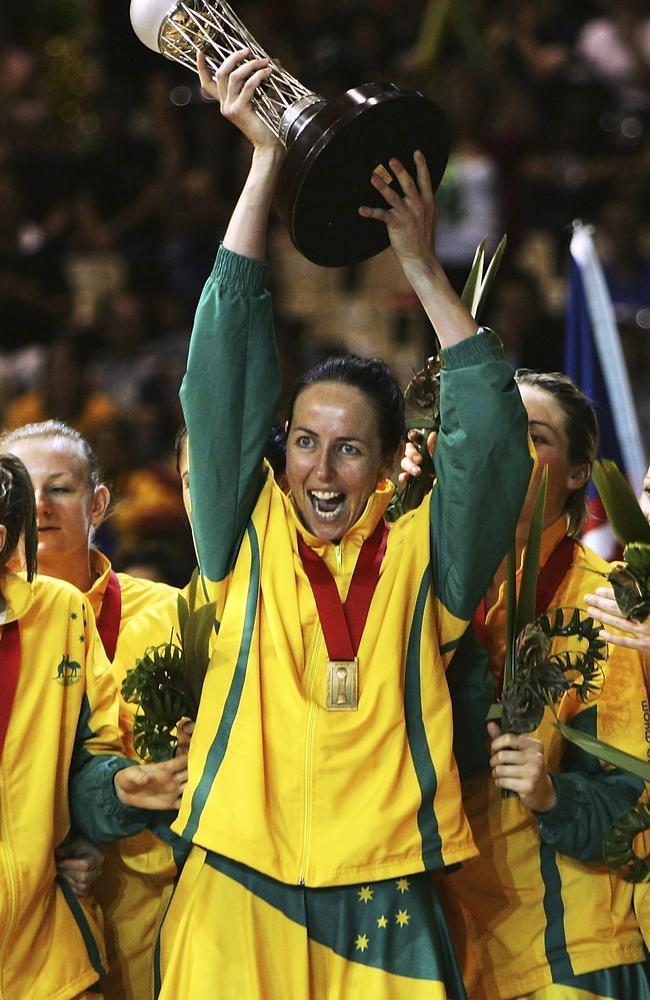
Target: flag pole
<point x="610" y="352"/>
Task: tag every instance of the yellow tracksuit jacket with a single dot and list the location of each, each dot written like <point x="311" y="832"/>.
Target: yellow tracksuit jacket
<point x="63" y="726"/>
<point x="539" y="906"/>
<point x="276" y="781"/>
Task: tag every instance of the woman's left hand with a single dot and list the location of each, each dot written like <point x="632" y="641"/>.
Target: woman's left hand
<point x="410" y="219"/>
<point x="603" y="607"/>
<point x="153" y="786"/>
<point x="518" y="764"/>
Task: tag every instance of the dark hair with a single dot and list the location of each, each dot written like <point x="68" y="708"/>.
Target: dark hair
<point x="17" y="512"/>
<point x="56" y="429"/>
<point x="179" y="444"/>
<point x="276" y="450"/>
<point x="581" y="428"/>
<point x="374" y="379"/>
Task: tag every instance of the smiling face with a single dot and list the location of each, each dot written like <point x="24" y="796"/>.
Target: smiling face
<point x="334" y="457"/>
<point x="547" y="428"/>
<point x="67" y="507"/>
<point x="644" y="499"/>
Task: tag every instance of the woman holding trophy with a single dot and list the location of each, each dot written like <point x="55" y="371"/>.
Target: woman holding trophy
<point x="322" y="787"/>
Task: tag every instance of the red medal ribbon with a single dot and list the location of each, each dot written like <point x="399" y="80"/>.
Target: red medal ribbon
<point x="550" y="577"/>
<point x="108" y="623"/>
<point x="9" y="671"/>
<point x="343" y="624"/>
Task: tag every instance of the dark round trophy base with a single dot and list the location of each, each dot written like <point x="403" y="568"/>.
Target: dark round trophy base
<point x="334" y="147"/>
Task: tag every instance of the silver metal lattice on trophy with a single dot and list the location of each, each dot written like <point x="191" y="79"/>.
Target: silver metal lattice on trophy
<point x="333" y="146"/>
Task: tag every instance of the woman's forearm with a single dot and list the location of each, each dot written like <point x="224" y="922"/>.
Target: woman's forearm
<point x="246" y="232"/>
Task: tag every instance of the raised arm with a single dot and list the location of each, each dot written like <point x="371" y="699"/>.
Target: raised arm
<point x="232" y="384"/>
<point x="410" y="221"/>
<point x="233" y="87"/>
<point x="482" y="459"/>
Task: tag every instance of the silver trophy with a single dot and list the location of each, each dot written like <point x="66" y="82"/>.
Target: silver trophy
<point x="333" y="146"/>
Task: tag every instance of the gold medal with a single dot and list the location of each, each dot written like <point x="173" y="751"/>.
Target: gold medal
<point x="343" y="685"/>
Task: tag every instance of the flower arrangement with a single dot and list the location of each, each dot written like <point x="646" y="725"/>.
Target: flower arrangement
<point x="166" y="681"/>
<point x="535" y="680"/>
<point x="533" y="677"/>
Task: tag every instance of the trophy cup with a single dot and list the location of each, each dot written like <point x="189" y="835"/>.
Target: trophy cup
<point x="332" y="146"/>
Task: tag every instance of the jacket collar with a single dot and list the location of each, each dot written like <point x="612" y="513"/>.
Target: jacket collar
<point x="100" y="569"/>
<point x="18" y="594"/>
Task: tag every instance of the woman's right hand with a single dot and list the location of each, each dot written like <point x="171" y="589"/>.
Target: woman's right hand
<point x="233" y="87"/>
<point x="603" y="607"/>
<point x="80" y="863"/>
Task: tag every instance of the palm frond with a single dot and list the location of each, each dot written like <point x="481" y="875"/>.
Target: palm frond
<point x="621" y="506"/>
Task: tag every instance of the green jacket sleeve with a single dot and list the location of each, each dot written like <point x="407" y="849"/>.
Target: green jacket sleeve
<point x="95" y="808"/>
<point x="589" y="799"/>
<point x="229" y="395"/>
<point x="585" y="809"/>
<point x="483" y="467"/>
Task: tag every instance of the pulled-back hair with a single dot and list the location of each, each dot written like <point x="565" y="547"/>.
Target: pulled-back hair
<point x="179" y="445"/>
<point x="581" y="427"/>
<point x="17" y="512"/>
<point x="374" y="379"/>
<point x="56" y="429"/>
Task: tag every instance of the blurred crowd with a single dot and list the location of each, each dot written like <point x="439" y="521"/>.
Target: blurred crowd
<point x="117" y="179"/>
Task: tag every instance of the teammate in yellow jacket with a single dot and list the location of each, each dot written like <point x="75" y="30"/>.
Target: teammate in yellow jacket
<point x="538" y="914"/>
<point x="59" y="738"/>
<point x="71" y="502"/>
<point x="630" y="635"/>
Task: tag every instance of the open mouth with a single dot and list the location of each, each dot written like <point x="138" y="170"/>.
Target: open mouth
<point x="327" y="505"/>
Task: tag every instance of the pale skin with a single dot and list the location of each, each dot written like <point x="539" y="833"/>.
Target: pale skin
<point x="517" y="761"/>
<point x="334" y="457"/>
<point x="68" y="508"/>
<point x="602" y="605"/>
<point x="334" y="454"/>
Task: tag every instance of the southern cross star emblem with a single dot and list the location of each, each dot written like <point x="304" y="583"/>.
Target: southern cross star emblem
<point x="361" y="942"/>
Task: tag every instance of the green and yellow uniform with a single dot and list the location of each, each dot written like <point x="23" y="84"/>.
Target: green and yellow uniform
<point x="62" y="728"/>
<point x="290" y="805"/>
<point x="138" y="872"/>
<point x="538" y="906"/>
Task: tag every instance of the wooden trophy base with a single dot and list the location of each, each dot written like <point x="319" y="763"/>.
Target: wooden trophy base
<point x="334" y="147"/>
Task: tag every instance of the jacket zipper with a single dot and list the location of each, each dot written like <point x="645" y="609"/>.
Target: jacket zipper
<point x="309" y="748"/>
<point x="309" y="752"/>
<point x="6" y="863"/>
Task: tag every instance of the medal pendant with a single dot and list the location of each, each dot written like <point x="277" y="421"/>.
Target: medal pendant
<point x="343" y="685"/>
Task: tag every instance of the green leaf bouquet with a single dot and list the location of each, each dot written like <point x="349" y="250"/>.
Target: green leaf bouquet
<point x="166" y="681"/>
